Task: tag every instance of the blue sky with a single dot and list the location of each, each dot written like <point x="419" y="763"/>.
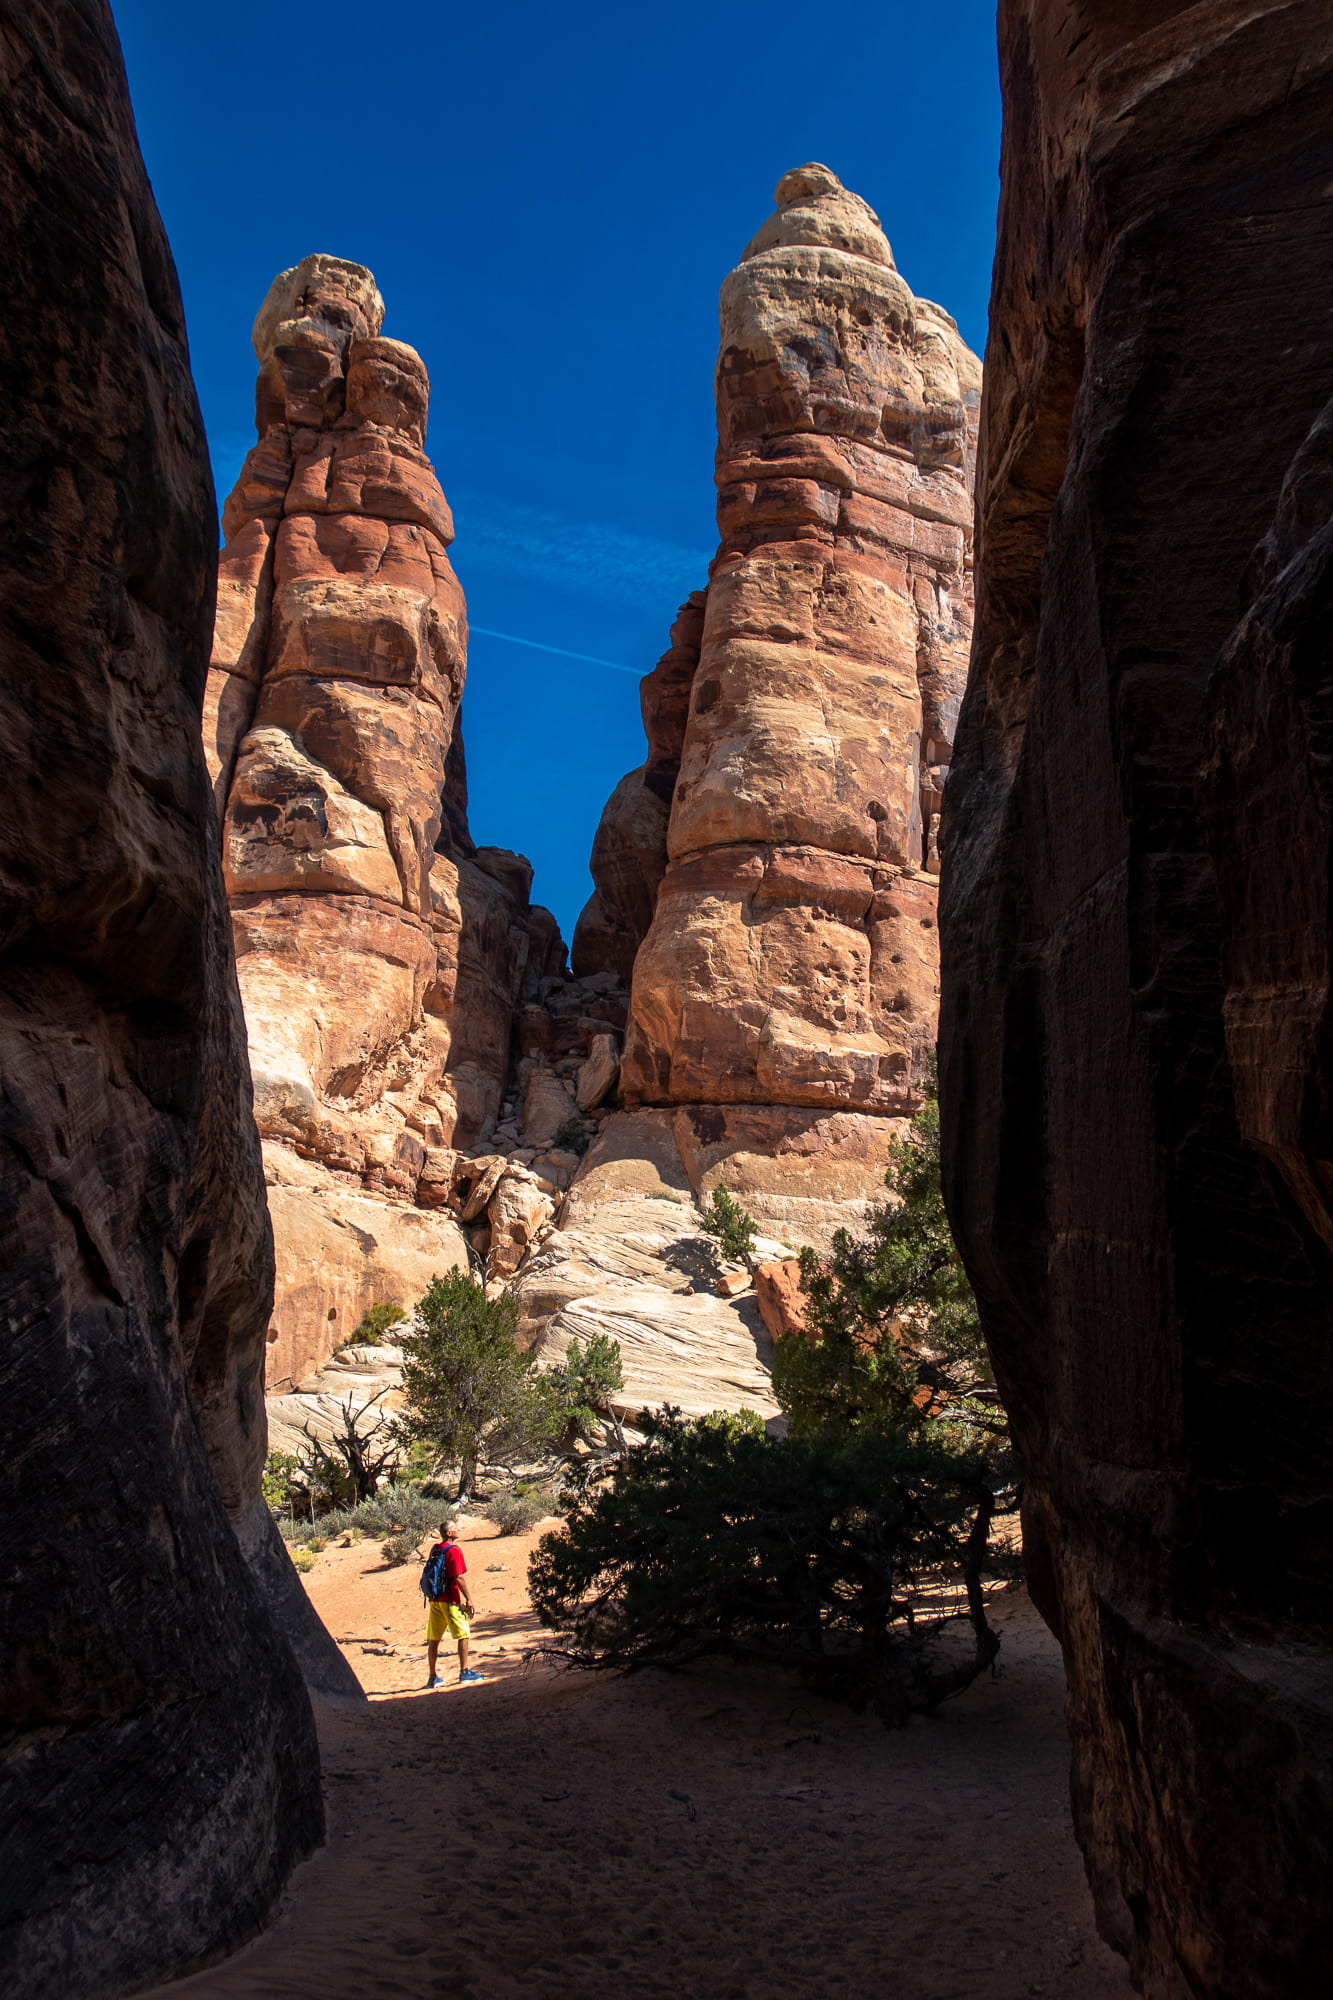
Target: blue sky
<point x="549" y="197"/>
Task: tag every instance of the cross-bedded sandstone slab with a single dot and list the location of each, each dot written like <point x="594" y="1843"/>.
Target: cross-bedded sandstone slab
<point x="158" y="1772"/>
<point x="1136" y="949"/>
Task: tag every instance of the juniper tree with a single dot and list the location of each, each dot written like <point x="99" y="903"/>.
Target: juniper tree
<point x="896" y="1338"/>
<point x="474" y="1397"/>
<point x="471" y="1393"/>
<point x="729" y="1225"/>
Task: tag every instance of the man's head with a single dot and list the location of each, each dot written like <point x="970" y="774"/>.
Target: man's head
<point x="448" y="1531"/>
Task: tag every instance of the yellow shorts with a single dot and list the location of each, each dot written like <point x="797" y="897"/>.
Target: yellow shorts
<point x="446" y="1621"/>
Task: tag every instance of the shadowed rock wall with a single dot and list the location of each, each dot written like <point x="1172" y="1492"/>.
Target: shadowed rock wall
<point x="1136" y="1062"/>
<point x="158" y="1771"/>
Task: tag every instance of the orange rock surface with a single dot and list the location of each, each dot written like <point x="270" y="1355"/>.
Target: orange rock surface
<point x="801" y="724"/>
<point x="777" y="1287"/>
<point x="380" y="954"/>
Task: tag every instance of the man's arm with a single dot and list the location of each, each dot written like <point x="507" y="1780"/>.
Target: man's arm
<point x="460" y="1578"/>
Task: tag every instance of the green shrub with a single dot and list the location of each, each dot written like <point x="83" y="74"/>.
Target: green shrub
<point x="279" y="1481"/>
<point x="302" y="1560"/>
<point x="574" y="1136"/>
<point x="730" y="1227"/>
<point x="376" y="1322"/>
<point x="852" y="1550"/>
<point x="514" y="1513"/>
<point x="316" y="1545"/>
<point x="897" y="1336"/>
<point x="400" y="1549"/>
<point x="581" y="1387"/>
<point x="393" y="1510"/>
<point x="857" y="1562"/>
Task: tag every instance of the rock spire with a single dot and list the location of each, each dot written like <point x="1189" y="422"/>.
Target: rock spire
<point x="381" y="955"/>
<point x="783" y="829"/>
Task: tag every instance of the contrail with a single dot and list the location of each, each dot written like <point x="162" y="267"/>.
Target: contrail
<point x="513" y="639"/>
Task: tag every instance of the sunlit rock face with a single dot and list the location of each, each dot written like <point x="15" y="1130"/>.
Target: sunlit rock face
<point x="381" y="955"/>
<point x="158" y="1769"/>
<point x="785" y="989"/>
<point x="1135" y="1056"/>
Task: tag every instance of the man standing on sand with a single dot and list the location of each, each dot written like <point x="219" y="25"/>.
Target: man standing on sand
<point x="450" y="1607"/>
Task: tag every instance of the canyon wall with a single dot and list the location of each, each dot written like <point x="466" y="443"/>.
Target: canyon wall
<point x="1136" y="1060"/>
<point x="158" y="1769"/>
<point x="381" y="954"/>
<point x="770" y="872"/>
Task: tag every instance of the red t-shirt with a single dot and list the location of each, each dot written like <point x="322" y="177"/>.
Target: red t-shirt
<point x="454" y="1564"/>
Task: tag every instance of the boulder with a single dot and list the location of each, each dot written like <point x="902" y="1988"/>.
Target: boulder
<point x="547" y="1105"/>
<point x="518" y="1210"/>
<point x="344" y="1250"/>
<point x="630" y="1261"/>
<point x="596" y="1078"/>
<point x="782" y="1302"/>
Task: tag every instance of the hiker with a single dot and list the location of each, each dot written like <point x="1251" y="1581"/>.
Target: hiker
<point x="449" y="1605"/>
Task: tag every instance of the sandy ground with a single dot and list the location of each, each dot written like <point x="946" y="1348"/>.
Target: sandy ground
<point x="710" y="1836"/>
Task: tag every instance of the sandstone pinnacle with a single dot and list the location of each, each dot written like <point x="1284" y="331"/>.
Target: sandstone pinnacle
<point x="379" y="955"/>
<point x="785" y="987"/>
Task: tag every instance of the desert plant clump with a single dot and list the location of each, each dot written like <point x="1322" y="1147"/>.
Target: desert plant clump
<point x="731" y="1228"/>
<point x="377" y="1322"/>
<point x="514" y="1513"/>
<point x="333" y="1473"/>
<point x="857" y="1563"/>
<point x="400" y="1549"/>
<point x="392" y="1510"/>
<point x="855" y="1549"/>
<point x="303" y="1560"/>
<point x="574" y="1136"/>
<point x="580" y="1389"/>
<point x="474" y="1398"/>
<point x="280" y="1481"/>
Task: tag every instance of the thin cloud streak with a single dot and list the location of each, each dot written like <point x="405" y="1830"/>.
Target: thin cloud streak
<point x="581" y="555"/>
<point x="537" y="646"/>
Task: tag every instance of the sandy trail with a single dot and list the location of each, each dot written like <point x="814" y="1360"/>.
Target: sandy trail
<point x="711" y="1836"/>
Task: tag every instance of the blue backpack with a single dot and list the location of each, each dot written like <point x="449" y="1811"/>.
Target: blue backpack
<point x="435" y="1576"/>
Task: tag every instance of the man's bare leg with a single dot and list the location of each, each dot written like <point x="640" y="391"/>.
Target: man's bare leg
<point x="462" y="1656"/>
<point x="432" y="1655"/>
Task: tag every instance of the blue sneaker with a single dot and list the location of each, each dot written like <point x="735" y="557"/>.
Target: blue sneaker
<point x="467" y="1679"/>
